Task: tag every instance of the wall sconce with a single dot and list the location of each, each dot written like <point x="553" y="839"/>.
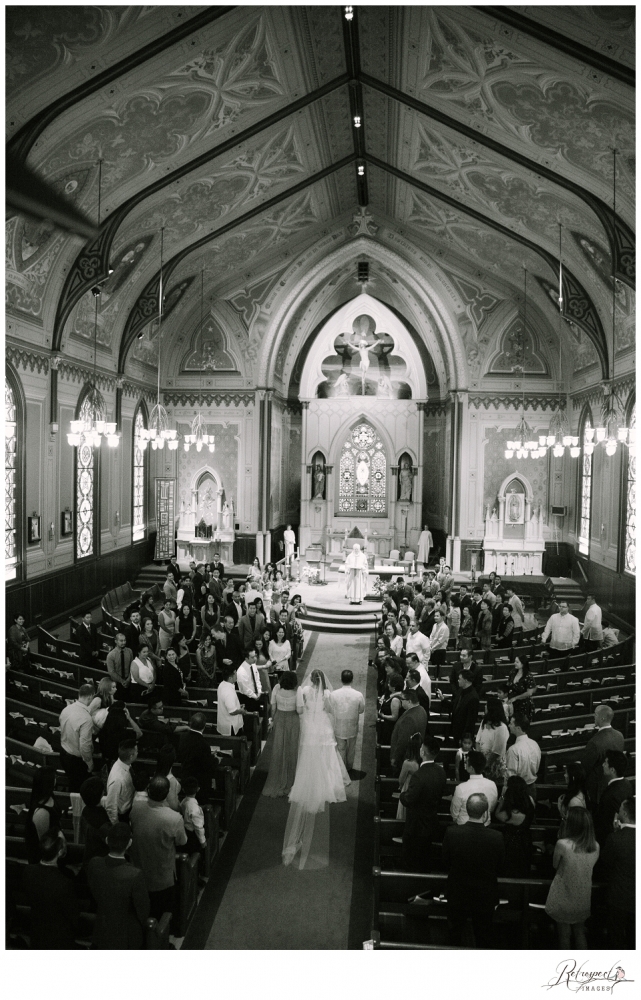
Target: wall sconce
<point x="116" y="518"/>
<point x="51" y="531"/>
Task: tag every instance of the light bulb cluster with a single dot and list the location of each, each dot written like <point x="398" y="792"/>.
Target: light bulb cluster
<point x="92" y="434"/>
<point x="158" y="439"/>
<point x="199" y="436"/>
<point x="349" y="13"/>
<point x="357" y="121"/>
<point x="609" y="434"/>
<point x="361" y="170"/>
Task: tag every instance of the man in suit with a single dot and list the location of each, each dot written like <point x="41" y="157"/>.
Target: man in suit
<point x="464" y="597"/>
<point x="133" y="632"/>
<point x="466" y="662"/>
<point x="119" y="666"/>
<point x="89" y="641"/>
<point x="157" y="831"/>
<point x="473" y="856"/>
<point x="413" y="683"/>
<point x="55" y="908"/>
<point x="215" y="586"/>
<point x="413" y="720"/>
<point x="593" y="756"/>
<point x="421" y="800"/>
<point x="228" y="644"/>
<point x="617" y="868"/>
<point x="465" y="707"/>
<point x="475" y="606"/>
<point x="217" y="565"/>
<point x="250" y="625"/>
<point x="476" y="784"/>
<point x="121" y="896"/>
<point x="428" y="617"/>
<point x="497" y="589"/>
<point x="617" y="789"/>
<point x="196" y="757"/>
<point x="174" y="569"/>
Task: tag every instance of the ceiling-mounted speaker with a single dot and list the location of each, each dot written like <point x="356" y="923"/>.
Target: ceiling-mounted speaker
<point x="363" y="271"/>
<point x="559" y="511"/>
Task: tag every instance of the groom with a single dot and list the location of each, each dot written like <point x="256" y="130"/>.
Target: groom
<point x="347" y="705"/>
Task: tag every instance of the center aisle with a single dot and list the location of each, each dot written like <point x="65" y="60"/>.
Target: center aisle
<point x="252" y="900"/>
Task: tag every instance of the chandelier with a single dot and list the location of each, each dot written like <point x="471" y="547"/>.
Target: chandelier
<point x="159" y="432"/>
<point x="93" y="427"/>
<point x="199" y="435"/>
<point x="524" y="444"/>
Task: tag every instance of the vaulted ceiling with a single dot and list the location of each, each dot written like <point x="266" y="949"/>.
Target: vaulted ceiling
<point x="228" y="133"/>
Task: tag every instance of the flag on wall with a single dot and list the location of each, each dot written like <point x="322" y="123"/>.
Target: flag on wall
<point x="165" y="518"/>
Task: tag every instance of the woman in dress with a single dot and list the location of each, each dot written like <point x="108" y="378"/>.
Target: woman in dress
<point x="484" y="626"/>
<point x="206" y="660"/>
<point x="395" y="642"/>
<point x="491" y="739"/>
<point x="43" y="815"/>
<point x="286" y="732"/>
<point x="150" y="636"/>
<point x="255" y="574"/>
<point x="260" y="608"/>
<point x="174" y="691"/>
<point x="143" y="674"/>
<point x="516" y="811"/>
<point x="118" y="726"/>
<point x="297" y="609"/>
<point x="179" y="643"/>
<point x="321" y="778"/>
<point x="409" y="767"/>
<point x="521" y="686"/>
<point x="280" y="651"/>
<point x="262" y="662"/>
<point x="569" y="898"/>
<point x="268" y="594"/>
<point x="466" y="631"/>
<point x="166" y="625"/>
<point x="209" y="614"/>
<point x="505" y="629"/>
<point x="404" y="625"/>
<point x="453" y="617"/>
<point x="390" y="707"/>
<point x="575" y="795"/>
<point x="99" y="707"/>
<point x="148" y="611"/>
<point x="186" y="623"/>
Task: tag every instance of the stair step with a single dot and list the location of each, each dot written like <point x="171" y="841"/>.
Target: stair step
<point x="316" y="616"/>
<point x="339" y="628"/>
<point x="354" y="611"/>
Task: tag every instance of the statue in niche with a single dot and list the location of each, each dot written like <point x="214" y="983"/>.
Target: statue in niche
<point x="319" y="482"/>
<point x="405" y="480"/>
<point x="385" y="388"/>
<point x="228" y="516"/>
<point x="358" y="342"/>
<point x="341" y="386"/>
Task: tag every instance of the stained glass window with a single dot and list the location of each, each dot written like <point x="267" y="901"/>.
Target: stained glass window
<point x="363" y="473"/>
<point x="10" y="482"/>
<point x="85" y="481"/>
<point x="586" y="495"/>
<point x="139" y="480"/>
<point x="631" y="498"/>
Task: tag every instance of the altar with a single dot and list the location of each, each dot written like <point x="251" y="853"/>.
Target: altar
<point x="206" y="525"/>
<point x="513" y="542"/>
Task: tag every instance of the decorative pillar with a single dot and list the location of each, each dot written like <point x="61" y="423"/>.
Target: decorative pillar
<point x="54" y="365"/>
<point x="457" y="398"/>
<point x="304" y="531"/>
<point x="120" y="384"/>
<point x="420" y="450"/>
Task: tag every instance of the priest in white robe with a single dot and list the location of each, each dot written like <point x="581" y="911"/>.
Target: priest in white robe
<point x="356" y="574"/>
<point x="289" y="539"/>
<point x="425" y="543"/>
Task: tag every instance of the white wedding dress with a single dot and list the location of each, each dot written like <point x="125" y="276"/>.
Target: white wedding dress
<point x="321" y="778"/>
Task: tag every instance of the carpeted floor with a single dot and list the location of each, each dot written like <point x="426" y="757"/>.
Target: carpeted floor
<point x="252" y="901"/>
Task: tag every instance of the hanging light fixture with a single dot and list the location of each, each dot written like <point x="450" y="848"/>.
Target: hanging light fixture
<point x="559" y="436"/>
<point x="159" y="432"/>
<point x="199" y="436"/>
<point x="524" y="444"/>
<point x="609" y="432"/>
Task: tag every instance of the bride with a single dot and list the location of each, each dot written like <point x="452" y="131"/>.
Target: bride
<point x="321" y="778"/>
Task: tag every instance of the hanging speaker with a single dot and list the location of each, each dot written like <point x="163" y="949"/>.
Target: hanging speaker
<point x="559" y="511"/>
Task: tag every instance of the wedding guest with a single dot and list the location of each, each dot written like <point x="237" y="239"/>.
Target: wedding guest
<point x="209" y="615"/>
<point x="18" y="635"/>
<point x="249" y="626"/>
<point x="143" y="674"/>
<point x="465" y="707"/>
<point x="120" y="788"/>
<point x="617" y="866"/>
<point x="562" y="629"/>
<point x="186" y="623"/>
<point x="174" y="691"/>
<point x="43" y="815"/>
<point x="118" y="726"/>
<point x="524" y="756"/>
<point x="461" y="758"/>
<point x="417" y="642"/>
<point x="569" y="899"/>
<point x="476" y="784"/>
<point x="453" y="617"/>
<point x="280" y="651"/>
<point x="521" y="686"/>
<point x="170" y="590"/>
<point x="439" y="639"/>
<point x="409" y="767"/>
<point x="483" y="630"/>
<point x="94" y="821"/>
<point x="196" y="758"/>
<point x="228" y="644"/>
<point x="150" y="636"/>
<point x="575" y="794"/>
<point x="617" y="789"/>
<point x="179" y="644"/>
<point x="421" y="800"/>
<point x="120" y="893"/>
<point x="413" y="683"/>
<point x="89" y="641"/>
<point x="206" y="660"/>
<point x="491" y="740"/>
<point x="148" y="612"/>
<point x="157" y="832"/>
<point x="164" y="765"/>
<point x="286" y="734"/>
<point x="155" y="731"/>
<point x="606" y="738"/>
<point x="51" y="897"/>
<point x="391" y="705"/>
<point x="262" y="662"/>
<point x="467" y="662"/>
<point x="515" y="811"/>
<point x="505" y="629"/>
<point x="166" y="625"/>
<point x="76" y="746"/>
<point x="413" y="720"/>
<point x="229" y="718"/>
<point x="193" y="817"/>
<point x="119" y="666"/>
<point x="347" y="707"/>
<point x="248" y="680"/>
<point x="516" y="604"/>
<point x="100" y="705"/>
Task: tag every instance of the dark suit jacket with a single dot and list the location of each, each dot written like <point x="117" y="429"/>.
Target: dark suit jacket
<point x="175" y="572"/>
<point x="475" y="669"/>
<point x="465" y="713"/>
<point x="54" y="906"/>
<point x="473" y="856"/>
<point x="422" y="800"/>
<point x="410" y="722"/>
<point x="246" y="633"/>
<point x="231" y="648"/>
<point x="220" y="567"/>
<point x="197" y="761"/>
<point x="608" y="807"/>
<point x="89" y="642"/>
<point x="617" y="868"/>
<point x="593" y="757"/>
<point x="423" y="700"/>
<point x="426" y="623"/>
<point x="216" y="588"/>
<point x="123" y="904"/>
<point x="132" y="634"/>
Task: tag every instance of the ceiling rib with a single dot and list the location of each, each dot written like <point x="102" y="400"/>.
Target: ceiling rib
<point x="146" y="306"/>
<point x="620" y="237"/>
<point x="92" y="263"/>
<point x="557" y="41"/>
<point x="353" y="64"/>
<point x="22" y="142"/>
<point x="578" y="306"/>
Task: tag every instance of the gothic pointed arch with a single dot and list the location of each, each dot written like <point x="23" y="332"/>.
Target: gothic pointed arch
<point x="362" y="466"/>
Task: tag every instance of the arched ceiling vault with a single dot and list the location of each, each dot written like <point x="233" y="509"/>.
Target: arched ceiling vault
<point x="231" y="127"/>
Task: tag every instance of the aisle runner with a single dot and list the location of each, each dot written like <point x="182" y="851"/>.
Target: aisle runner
<point x="252" y="900"/>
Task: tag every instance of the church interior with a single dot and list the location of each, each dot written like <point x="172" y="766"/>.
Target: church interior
<point x="286" y="280"/>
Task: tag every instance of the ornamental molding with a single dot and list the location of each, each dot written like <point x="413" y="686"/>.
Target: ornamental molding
<point x="514" y="401"/>
<point x="439" y="408"/>
<point x="27" y="360"/>
<point x="593" y="395"/>
<point x="78" y="373"/>
<point x="209" y="398"/>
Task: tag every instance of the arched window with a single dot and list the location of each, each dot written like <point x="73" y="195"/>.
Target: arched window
<point x="630" y="538"/>
<point x="585" y="487"/>
<point x="12" y="484"/>
<point x="139" y="478"/>
<point x="363" y="473"/>
<point x="86" y="464"/>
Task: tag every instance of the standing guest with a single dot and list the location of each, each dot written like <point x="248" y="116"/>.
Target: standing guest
<point x="465" y="707"/>
<point x="391" y="705"/>
<point x="228" y="644"/>
<point x="475" y="784"/>
<point x="517" y="608"/>
<point x="286" y="733"/>
<point x="439" y="639"/>
<point x="120" y="788"/>
<point x="497" y="588"/>
<point x="515" y="811"/>
<point x="170" y="590"/>
<point x="416" y="642"/>
<point x="453" y="618"/>
<point x="280" y="650"/>
<point x="575" y="794"/>
<point x="119" y="665"/>
<point x="94" y="821"/>
<point x="118" y="726"/>
<point x="50" y="894"/>
<point x="215" y="586"/>
<point x="460" y="761"/>
<point x="467" y="662"/>
<point x="617" y="866"/>
<point x="164" y="765"/>
<point x="569" y="898"/>
<point x="89" y="641"/>
<point x="206" y="661"/>
<point x="250" y="625"/>
<point x="618" y="788"/>
<point x="592" y="630"/>
<point x="473" y="857"/>
<point x="610" y="636"/>
<point x="521" y="687"/>
<point x="196" y="758"/>
<point x="475" y="606"/>
<point x="198" y="587"/>
<point x="133" y="631"/>
<point x="466" y="631"/>
<point x="157" y="832"/>
<point x="413" y="683"/>
<point x="229" y="719"/>
<point x="606" y="738"/>
<point x="120" y="893"/>
<point x="396" y="642"/>
<point x="193" y="817"/>
<point x="174" y="691"/>
<point x="76" y="730"/>
<point x="174" y="569"/>
<point x="262" y="662"/>
<point x="428" y="617"/>
<point x="465" y="599"/>
<point x="445" y="579"/>
<point x="155" y="732"/>
<point x="166" y="624"/>
<point x="409" y="767"/>
<point x="249" y="687"/>
<point x="18" y="635"/>
<point x="491" y="740"/>
<point x="255" y="574"/>
<point x="505" y="629"/>
<point x="148" y="612"/>
<point x="209" y="614"/>
<point x="100" y="705"/>
<point x="186" y="623"/>
<point x="421" y="800"/>
<point x="347" y="707"/>
<point x="413" y="720"/>
<point x="217" y="566"/>
<point x="150" y="636"/>
<point x="43" y="815"/>
<point x="562" y="630"/>
<point x="143" y="674"/>
<point x="483" y="630"/>
<point x="183" y="656"/>
<point x="524" y="756"/>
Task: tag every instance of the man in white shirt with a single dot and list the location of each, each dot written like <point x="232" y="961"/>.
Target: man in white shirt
<point x="592" y="631"/>
<point x="347" y="706"/>
<point x="413" y="663"/>
<point x="476" y="784"/>
<point x="418" y="643"/>
<point x="120" y="786"/>
<point x="563" y="630"/>
<point x="438" y="642"/>
<point x="524" y="756"/>
<point x="229" y="719"/>
<point x="407" y="609"/>
<point x="76" y="746"/>
<point x="517" y="609"/>
<point x="248" y="679"/>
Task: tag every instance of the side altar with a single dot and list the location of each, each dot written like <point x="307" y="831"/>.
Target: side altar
<point x="203" y="532"/>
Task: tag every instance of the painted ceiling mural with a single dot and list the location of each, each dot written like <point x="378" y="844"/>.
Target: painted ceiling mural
<point x="606" y="29"/>
<point x="208" y="350"/>
<point x="519" y="351"/>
